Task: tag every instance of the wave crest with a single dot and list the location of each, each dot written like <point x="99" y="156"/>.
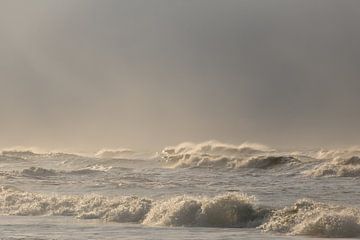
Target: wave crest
<point x="216" y="148"/>
<point x="229" y="210"/>
<point x="338" y="167"/>
<point x="307" y="217"/>
<point x="214" y="154"/>
<point x="121" y="209"/>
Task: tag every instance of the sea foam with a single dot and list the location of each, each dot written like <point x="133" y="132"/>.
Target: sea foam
<point x="340" y="167"/>
<point x="216" y="154"/>
<point x="228" y="210"/>
<point x="305" y="217"/>
<point x="311" y="218"/>
<point x="120" y="209"/>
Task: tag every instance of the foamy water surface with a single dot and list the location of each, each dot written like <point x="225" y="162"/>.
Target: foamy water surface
<point x="209" y="190"/>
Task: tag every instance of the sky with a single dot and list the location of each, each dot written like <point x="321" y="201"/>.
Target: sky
<point x="85" y="74"/>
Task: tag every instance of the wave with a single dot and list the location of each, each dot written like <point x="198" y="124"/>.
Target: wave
<point x="349" y="167"/>
<point x="311" y="218"/>
<point x="120" y="209"/>
<point x="260" y="162"/>
<point x="229" y="210"/>
<point x="305" y="217"/>
<point x="212" y="154"/>
<point x="19" y="153"/>
<point x="267" y="161"/>
<point x="216" y="148"/>
<point x="216" y="154"/>
<point x="38" y="172"/>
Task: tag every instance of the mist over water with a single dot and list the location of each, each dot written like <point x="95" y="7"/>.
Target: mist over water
<point x="137" y="74"/>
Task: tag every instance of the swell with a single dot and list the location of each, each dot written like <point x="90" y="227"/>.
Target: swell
<point x="305" y="217"/>
<point x="39" y="172"/>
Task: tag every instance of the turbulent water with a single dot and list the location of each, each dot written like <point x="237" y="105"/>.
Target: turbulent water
<point x="209" y="190"/>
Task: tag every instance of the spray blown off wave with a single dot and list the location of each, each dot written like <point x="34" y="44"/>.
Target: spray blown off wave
<point x="215" y="154"/>
<point x="331" y="154"/>
<point x="124" y="153"/>
<point x="217" y="148"/>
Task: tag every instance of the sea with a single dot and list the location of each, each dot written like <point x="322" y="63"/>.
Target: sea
<point x="208" y="190"/>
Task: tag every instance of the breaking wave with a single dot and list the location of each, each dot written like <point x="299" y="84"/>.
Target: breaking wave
<point x="349" y="167"/>
<point x="311" y="218"/>
<point x="229" y="210"/>
<point x="216" y="154"/>
<point x="217" y="149"/>
<point x="212" y="154"/>
<point x="121" y="209"/>
<point x="305" y="217"/>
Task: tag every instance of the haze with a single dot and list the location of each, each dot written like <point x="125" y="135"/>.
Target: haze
<point x="82" y="75"/>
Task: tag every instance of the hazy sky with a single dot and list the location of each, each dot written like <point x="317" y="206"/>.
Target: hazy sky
<point x="83" y="74"/>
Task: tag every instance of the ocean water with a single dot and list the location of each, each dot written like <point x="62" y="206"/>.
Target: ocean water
<point x="209" y="190"/>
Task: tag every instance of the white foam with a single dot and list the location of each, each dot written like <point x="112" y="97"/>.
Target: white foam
<point x="120" y="209"/>
<point x="220" y="155"/>
<point x="229" y="210"/>
<point x="217" y="148"/>
<point x="211" y="154"/>
<point x="307" y="217"/>
<point x="338" y="167"/>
